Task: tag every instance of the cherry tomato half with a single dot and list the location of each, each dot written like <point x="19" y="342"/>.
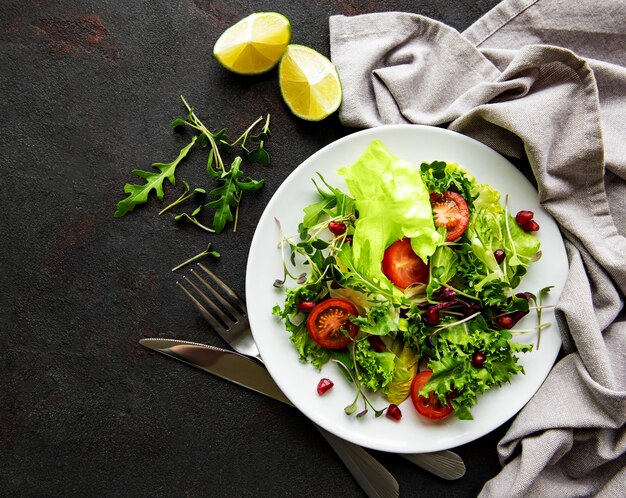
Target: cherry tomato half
<point x="328" y="318"/>
<point x="402" y="266"/>
<point x="450" y="210"/>
<point x="430" y="407"/>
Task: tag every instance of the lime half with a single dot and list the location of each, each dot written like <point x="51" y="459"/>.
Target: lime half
<point x="255" y="44"/>
<point x="309" y="83"/>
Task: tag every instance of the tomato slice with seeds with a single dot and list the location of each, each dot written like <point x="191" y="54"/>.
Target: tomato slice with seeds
<point x="450" y="211"/>
<point x="430" y="407"/>
<point x="402" y="266"/>
<point x="329" y="319"/>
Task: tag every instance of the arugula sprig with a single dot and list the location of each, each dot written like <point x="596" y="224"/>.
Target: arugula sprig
<point x="232" y="186"/>
<point x="138" y="194"/>
<point x="232" y="181"/>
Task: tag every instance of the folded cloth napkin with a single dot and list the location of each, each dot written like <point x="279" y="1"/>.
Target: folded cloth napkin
<point x="545" y="80"/>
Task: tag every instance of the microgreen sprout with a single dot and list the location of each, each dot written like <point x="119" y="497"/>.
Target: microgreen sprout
<point x="540" y="306"/>
<point x="351" y="408"/>
<point x="187" y="194"/>
<point x="439" y="328"/>
<point x="213" y="138"/>
<point x="192" y="218"/>
<point x="232" y="182"/>
<point x="258" y="154"/>
<point x="278" y="282"/>
<point x="203" y="254"/>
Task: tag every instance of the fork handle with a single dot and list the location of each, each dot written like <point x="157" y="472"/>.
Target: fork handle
<point x="445" y="464"/>
<point x="373" y="478"/>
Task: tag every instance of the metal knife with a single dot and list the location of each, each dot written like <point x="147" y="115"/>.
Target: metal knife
<point x="373" y="478"/>
<point x="249" y="373"/>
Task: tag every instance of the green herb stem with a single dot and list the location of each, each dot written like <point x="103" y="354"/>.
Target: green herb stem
<point x="203" y="254"/>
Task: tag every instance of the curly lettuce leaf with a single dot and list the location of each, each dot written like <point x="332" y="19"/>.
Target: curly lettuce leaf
<point x="308" y="349"/>
<point x="376" y="370"/>
<point x="393" y="202"/>
<point x="451" y="363"/>
<point x="488" y="198"/>
<point x="378" y="320"/>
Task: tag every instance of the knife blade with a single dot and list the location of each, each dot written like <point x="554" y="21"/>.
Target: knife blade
<point x="373" y="478"/>
<point x="249" y="373"/>
<point x="221" y="362"/>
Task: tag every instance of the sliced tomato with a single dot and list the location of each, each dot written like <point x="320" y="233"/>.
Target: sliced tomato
<point x="402" y="266"/>
<point x="429" y="407"/>
<point x="328" y="320"/>
<point x="450" y="210"/>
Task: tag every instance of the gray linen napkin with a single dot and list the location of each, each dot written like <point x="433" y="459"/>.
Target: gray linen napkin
<point x="544" y="79"/>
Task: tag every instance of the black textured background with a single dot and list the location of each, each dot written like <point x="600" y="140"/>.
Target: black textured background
<point x="87" y="92"/>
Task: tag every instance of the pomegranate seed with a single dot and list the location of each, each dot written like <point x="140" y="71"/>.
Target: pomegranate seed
<point x="478" y="359"/>
<point x="530" y="226"/>
<point x="393" y="412"/>
<point x="377" y="344"/>
<point x="337" y="228"/>
<point x="505" y="321"/>
<point x="324" y="385"/>
<point x="348" y="239"/>
<point x="431" y="315"/>
<point x="499" y="255"/>
<point x="446" y="295"/>
<point x="524" y="217"/>
<point x="306" y="305"/>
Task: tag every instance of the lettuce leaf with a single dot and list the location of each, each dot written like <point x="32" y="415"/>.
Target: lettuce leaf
<point x="490" y="230"/>
<point x="488" y="198"/>
<point x="451" y="363"/>
<point x="393" y="202"/>
<point x="375" y="369"/>
<point x="406" y="362"/>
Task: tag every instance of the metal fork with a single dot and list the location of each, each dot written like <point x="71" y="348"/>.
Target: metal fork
<point x="234" y="328"/>
<point x="226" y="312"/>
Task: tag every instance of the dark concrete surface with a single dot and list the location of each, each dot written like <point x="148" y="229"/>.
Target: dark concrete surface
<point x="87" y="92"/>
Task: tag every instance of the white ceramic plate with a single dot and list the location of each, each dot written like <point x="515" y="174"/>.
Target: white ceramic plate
<point x="413" y="434"/>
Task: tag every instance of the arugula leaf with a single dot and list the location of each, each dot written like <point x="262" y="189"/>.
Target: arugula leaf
<point x="333" y="198"/>
<point x="138" y="194"/>
<point x="229" y="195"/>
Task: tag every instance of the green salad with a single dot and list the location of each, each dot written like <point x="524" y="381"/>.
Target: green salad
<point x="410" y="284"/>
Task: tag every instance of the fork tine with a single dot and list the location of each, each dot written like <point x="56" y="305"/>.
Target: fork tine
<point x="225" y="288"/>
<point x="226" y="319"/>
<point x="205" y="313"/>
<point x="235" y="313"/>
<point x="223" y="305"/>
